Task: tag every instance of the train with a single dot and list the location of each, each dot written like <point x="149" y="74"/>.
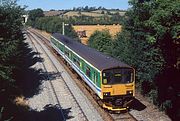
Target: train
<point x="112" y="81"/>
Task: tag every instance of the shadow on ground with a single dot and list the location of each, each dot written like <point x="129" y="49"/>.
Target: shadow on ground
<point x="29" y="80"/>
<point x="137" y="105"/>
<point x="52" y="75"/>
<point x="51" y="113"/>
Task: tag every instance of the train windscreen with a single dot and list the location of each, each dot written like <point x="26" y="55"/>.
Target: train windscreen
<point x="117" y="76"/>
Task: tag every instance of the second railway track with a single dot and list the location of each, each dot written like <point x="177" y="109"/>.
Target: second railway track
<point x="83" y="117"/>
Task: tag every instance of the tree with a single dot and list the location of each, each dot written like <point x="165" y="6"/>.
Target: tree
<point x="70" y="32"/>
<point x="101" y="40"/>
<point x="11" y="38"/>
<point x="122" y="48"/>
<point x="86" y="8"/>
<point x="102" y="12"/>
<point x="149" y="42"/>
<point x="54" y="24"/>
<point x="164" y="26"/>
<point x="34" y="14"/>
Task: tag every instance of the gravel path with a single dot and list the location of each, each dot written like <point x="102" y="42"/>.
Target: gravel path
<point x="149" y="112"/>
<point x="47" y="96"/>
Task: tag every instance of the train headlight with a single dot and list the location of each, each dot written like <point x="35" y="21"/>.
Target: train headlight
<point x="130" y="92"/>
<point x="106" y="93"/>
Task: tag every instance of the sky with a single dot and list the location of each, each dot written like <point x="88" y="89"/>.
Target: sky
<point x="69" y="4"/>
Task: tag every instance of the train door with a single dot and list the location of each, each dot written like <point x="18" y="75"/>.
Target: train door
<point x="83" y="66"/>
<point x="94" y="77"/>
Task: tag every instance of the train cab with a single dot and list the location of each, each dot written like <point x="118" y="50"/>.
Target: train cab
<point x="118" y="88"/>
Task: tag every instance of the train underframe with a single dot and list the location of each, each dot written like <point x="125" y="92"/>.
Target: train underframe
<point x="117" y="103"/>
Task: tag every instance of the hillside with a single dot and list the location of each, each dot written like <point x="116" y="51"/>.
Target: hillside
<point x="53" y="13"/>
<point x="93" y="13"/>
<point x="110" y="12"/>
<point x="76" y="13"/>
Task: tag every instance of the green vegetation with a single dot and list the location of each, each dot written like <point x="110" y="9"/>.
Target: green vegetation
<point x="101" y="40"/>
<point x="150" y="43"/>
<point x="11" y="39"/>
<point x="101" y="20"/>
<point x="53" y="24"/>
<point x="35" y="14"/>
<point x="50" y="24"/>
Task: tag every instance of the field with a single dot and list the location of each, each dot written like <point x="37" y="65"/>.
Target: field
<point x="95" y="13"/>
<point x="53" y="13"/>
<point x="111" y="11"/>
<point x="90" y="29"/>
<point x="76" y="13"/>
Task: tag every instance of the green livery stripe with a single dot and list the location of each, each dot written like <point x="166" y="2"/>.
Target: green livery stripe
<point x="95" y="73"/>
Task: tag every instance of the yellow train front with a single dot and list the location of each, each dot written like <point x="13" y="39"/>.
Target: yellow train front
<point x="118" y="88"/>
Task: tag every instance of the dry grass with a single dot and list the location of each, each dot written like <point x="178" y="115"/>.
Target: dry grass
<point x="21" y="101"/>
<point x="72" y="13"/>
<point x="52" y="13"/>
<point x="44" y="33"/>
<point x="111" y="11"/>
<point x="96" y="13"/>
<point x="75" y="13"/>
<point x="99" y="11"/>
<point x="92" y="14"/>
<point x="90" y="29"/>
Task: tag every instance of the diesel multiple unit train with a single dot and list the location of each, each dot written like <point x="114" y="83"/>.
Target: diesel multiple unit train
<point x="112" y="81"/>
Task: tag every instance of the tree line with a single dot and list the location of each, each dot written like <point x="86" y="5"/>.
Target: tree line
<point x="90" y="9"/>
<point x="54" y="23"/>
<point x="18" y="80"/>
<point x="11" y="43"/>
<point x="50" y="24"/>
<point x="149" y="42"/>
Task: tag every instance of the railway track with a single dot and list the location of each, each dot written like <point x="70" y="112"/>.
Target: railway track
<point x="105" y="114"/>
<point x="123" y="117"/>
<point x="63" y="115"/>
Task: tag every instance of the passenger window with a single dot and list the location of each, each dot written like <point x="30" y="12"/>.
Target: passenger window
<point x="66" y="53"/>
<point x="95" y="78"/>
<point x="76" y="61"/>
<point x="69" y="54"/>
<point x="88" y="72"/>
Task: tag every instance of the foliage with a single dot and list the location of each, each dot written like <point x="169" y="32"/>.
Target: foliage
<point x="149" y="42"/>
<point x="53" y="25"/>
<point x="101" y="40"/>
<point x="90" y="20"/>
<point x="34" y="14"/>
<point x="121" y="47"/>
<point x="11" y="37"/>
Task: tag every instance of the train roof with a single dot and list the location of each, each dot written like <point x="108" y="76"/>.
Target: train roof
<point x="96" y="58"/>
